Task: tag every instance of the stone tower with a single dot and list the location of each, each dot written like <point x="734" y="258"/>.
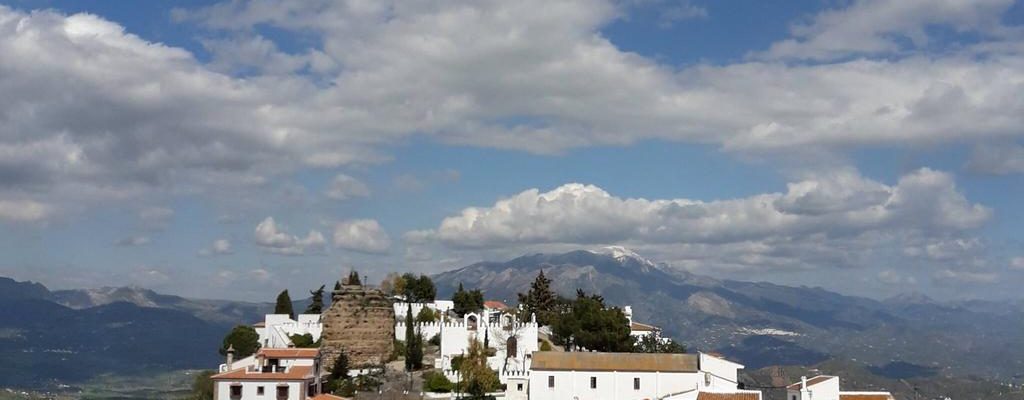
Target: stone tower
<point x="360" y="322"/>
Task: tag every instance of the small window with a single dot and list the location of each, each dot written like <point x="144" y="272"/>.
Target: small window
<point x="593" y="382"/>
<point x="794" y="397"/>
<point x="519" y="387"/>
<point x="236" y="391"/>
<point x="282" y="392"/>
<point x="259" y="390"/>
<point x="636" y="383"/>
<point x="551" y="381"/>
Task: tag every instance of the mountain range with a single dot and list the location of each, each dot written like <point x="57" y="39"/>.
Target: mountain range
<point x="764" y="324"/>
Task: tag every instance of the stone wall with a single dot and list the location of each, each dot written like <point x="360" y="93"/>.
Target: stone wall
<point x="360" y="322"/>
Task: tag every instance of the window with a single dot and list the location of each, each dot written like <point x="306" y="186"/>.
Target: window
<point x="519" y="387"/>
<point x="259" y="390"/>
<point x="794" y="397"/>
<point x="636" y="383"/>
<point x="593" y="382"/>
<point x="236" y="391"/>
<point x="282" y="392"/>
<point x="551" y="381"/>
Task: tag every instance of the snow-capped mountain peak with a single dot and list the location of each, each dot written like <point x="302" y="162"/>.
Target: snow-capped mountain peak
<point x="623" y="254"/>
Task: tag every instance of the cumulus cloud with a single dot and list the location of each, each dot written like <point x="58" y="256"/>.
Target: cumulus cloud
<point x="218" y="247"/>
<point x="274" y="239"/>
<point x="507" y="77"/>
<point x="362" y="235"/>
<point x="831" y="219"/>
<point x="885" y="27"/>
<point x="344" y="187"/>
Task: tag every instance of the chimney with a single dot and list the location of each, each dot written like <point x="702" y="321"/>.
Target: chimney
<point x="231" y="356"/>
<point x="804" y="394"/>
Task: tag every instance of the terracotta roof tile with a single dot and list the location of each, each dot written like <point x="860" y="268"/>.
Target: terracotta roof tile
<point x="289" y="353"/>
<point x="636" y="326"/>
<point x="327" y="397"/>
<point x="495" y="305"/>
<point x="639" y="362"/>
<point x="296" y="373"/>
<point x="729" y="396"/>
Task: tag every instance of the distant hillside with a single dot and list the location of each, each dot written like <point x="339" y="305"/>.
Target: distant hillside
<point x="43" y="342"/>
<point x="764" y="324"/>
<point x="215" y="311"/>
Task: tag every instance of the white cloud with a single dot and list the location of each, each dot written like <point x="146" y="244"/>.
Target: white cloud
<point x="273" y="239"/>
<point x="23" y="210"/>
<point x="344" y="187"/>
<point x="133" y="241"/>
<point x="950" y="276"/>
<point x="881" y="27"/>
<point x="997" y="159"/>
<point x="218" y="247"/>
<point x="1017" y="263"/>
<point x="507" y="77"/>
<point x="890" y="277"/>
<point x="362" y="235"/>
<point x="832" y="219"/>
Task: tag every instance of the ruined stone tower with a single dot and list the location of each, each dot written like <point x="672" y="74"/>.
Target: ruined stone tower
<point x="360" y="322"/>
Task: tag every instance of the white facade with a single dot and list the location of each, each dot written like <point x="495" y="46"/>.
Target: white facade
<point x="513" y="341"/>
<point x="824" y="387"/>
<point x="440" y="306"/>
<point x="292" y="374"/>
<point x="277" y="329"/>
<point x="250" y="390"/>
<point x="657" y="380"/>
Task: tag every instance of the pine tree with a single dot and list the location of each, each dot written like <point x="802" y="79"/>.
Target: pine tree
<point x="243" y="339"/>
<point x="353" y="279"/>
<point x="337" y="286"/>
<point x="317" y="305"/>
<point x="284" y="305"/>
<point x="540" y="300"/>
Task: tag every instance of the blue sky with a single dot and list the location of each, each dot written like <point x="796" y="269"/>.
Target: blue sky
<point x="231" y="149"/>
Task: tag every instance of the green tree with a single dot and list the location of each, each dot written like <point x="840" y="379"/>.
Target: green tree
<point x="316" y="306"/>
<point x="540" y="300"/>
<point x="337" y="286"/>
<point x="467" y="301"/>
<point x="654" y="343"/>
<point x="589" y="324"/>
<point x="337" y="379"/>
<point x="244" y="339"/>
<point x="202" y="386"/>
<point x="304" y="341"/>
<point x="284" y="304"/>
<point x="353" y="279"/>
<point x="417" y="289"/>
<point x="426" y="315"/>
<point x="415" y="353"/>
<point x="410" y="337"/>
<point x="477" y="377"/>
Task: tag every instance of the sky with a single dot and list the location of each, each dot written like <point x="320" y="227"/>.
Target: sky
<point x="231" y="149"/>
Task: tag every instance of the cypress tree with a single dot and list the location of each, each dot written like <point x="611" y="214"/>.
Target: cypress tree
<point x="337" y="286"/>
<point x="539" y="300"/>
<point x="410" y="337"/>
<point x="284" y="305"/>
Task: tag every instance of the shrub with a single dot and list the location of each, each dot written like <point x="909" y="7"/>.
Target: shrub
<point x="545" y="346"/>
<point x="435" y="340"/>
<point x="434" y="381"/>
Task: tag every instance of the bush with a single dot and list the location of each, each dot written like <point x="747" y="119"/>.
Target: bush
<point x="399" y="350"/>
<point x="457" y="362"/>
<point x="435" y="340"/>
<point x="434" y="381"/>
<point x="545" y="346"/>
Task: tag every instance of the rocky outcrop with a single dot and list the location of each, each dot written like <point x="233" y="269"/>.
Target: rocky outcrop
<point x="361" y="323"/>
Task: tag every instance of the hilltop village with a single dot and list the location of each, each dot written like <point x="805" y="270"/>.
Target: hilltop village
<point x="397" y="341"/>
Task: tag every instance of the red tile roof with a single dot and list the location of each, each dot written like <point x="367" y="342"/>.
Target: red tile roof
<point x="289" y="353"/>
<point x="296" y="373"/>
<point x="729" y="396"/>
<point x="811" y="382"/>
<point x="327" y="397"/>
<point x="495" y="305"/>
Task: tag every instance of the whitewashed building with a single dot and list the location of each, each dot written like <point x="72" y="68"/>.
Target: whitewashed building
<point x="276" y="329"/>
<point x="825" y="387"/>
<point x="277" y="374"/>
<point x="625" y="376"/>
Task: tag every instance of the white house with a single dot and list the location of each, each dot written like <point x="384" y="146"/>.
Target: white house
<point x="825" y="387"/>
<point x="276" y="329"/>
<point x="580" y="375"/>
<point x="277" y="374"/>
<point x="637" y="329"/>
